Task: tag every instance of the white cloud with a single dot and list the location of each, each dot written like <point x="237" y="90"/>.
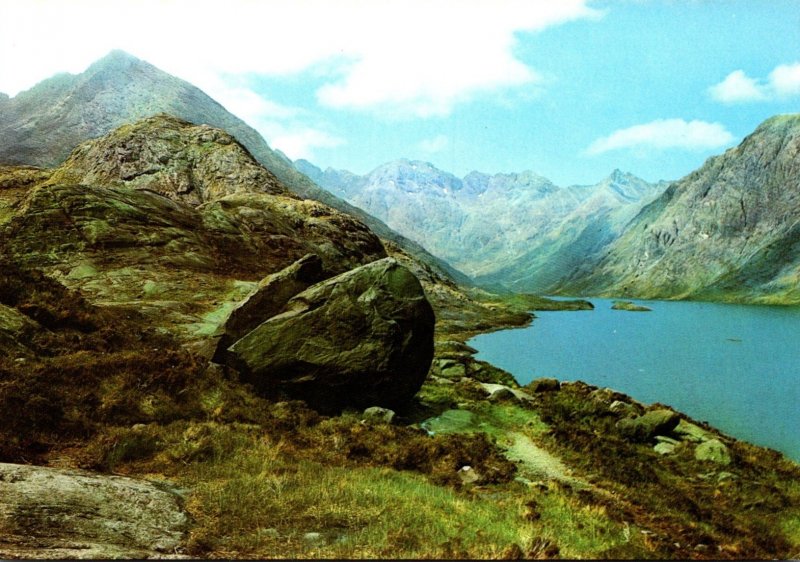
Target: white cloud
<point x="738" y="87"/>
<point x="665" y="134"/>
<point x="434" y="145"/>
<point x="785" y="80"/>
<point x="414" y="57"/>
<point x="297" y="140"/>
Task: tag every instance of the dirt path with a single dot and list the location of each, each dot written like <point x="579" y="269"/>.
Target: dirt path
<point x="536" y="461"/>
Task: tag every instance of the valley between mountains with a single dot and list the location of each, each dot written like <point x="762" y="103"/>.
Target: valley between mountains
<point x="209" y="351"/>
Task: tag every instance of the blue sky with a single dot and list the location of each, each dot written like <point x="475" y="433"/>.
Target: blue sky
<point x="569" y="89"/>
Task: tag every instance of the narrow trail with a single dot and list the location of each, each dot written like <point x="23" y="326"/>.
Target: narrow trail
<point x="538" y="462"/>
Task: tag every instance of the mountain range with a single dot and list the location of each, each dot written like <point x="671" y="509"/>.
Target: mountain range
<point x="518" y="230"/>
<point x="727" y="231"/>
<point x="41" y="126"/>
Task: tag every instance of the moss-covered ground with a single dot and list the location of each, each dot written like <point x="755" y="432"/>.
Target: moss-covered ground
<point x="547" y="476"/>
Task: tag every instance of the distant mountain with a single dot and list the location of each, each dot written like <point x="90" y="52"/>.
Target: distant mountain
<point x="728" y="231"/>
<point x="516" y="230"/>
<point x="41" y="126"/>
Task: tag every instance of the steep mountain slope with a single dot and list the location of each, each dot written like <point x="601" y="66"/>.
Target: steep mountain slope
<point x="516" y="230"/>
<point x="726" y="231"/>
<point x="42" y="126"/>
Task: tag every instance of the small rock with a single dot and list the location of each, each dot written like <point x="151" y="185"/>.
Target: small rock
<point x="544" y="385"/>
<point x="468" y="475"/>
<point x="503" y="394"/>
<point x="622" y="408"/>
<point x="313" y="538"/>
<point x="691" y="432"/>
<point x="270" y="533"/>
<point x="714" y="451"/>
<point x="376" y="414"/>
<point x="664" y="448"/>
<point x="646" y="427"/>
<point x="454" y="372"/>
<point x="665" y="439"/>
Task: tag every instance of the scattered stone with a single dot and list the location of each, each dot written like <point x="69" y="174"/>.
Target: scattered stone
<point x="664" y="448"/>
<point x="500" y="392"/>
<point x="440" y="380"/>
<point x="79" y="514"/>
<point x="376" y="414"/>
<point x="362" y="338"/>
<point x="314" y="538"/>
<point x="503" y="394"/>
<point x="468" y="475"/>
<point x="691" y="432"/>
<point x="622" y="408"/>
<point x="713" y="450"/>
<point x="456" y="371"/>
<point x="450" y="421"/>
<point x="270" y="533"/>
<point x="543" y="385"/>
<point x="646" y="427"/>
<point x="665" y="439"/>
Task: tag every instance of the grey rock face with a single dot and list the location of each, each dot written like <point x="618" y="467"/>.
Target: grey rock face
<point x="59" y="513"/>
<point x="362" y="338"/>
<point x="728" y="230"/>
<point x="185" y="162"/>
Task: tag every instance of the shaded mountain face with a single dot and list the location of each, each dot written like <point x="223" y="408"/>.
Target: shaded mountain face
<point x="42" y="126"/>
<point x="729" y="230"/>
<point x="516" y="230"/>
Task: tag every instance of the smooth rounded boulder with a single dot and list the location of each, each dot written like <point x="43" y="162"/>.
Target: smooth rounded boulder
<point x="363" y="338"/>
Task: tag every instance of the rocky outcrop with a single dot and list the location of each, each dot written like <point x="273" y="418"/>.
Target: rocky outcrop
<point x="57" y="513"/>
<point x="189" y="163"/>
<point x="16" y="331"/>
<point x="362" y="338"/>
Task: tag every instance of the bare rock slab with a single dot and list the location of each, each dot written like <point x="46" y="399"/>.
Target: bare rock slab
<point x="60" y="513"/>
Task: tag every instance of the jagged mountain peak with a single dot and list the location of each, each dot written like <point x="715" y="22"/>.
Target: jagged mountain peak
<point x="115" y="59"/>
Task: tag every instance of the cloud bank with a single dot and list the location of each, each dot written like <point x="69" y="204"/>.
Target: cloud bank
<point x="400" y="59"/>
<point x="783" y="82"/>
<point x="663" y="134"/>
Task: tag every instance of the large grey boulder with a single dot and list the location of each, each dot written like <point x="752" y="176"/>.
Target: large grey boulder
<point x="362" y="338"/>
<point x="58" y="513"/>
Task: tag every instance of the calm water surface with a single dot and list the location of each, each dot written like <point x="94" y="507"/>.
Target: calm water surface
<point x="737" y="367"/>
